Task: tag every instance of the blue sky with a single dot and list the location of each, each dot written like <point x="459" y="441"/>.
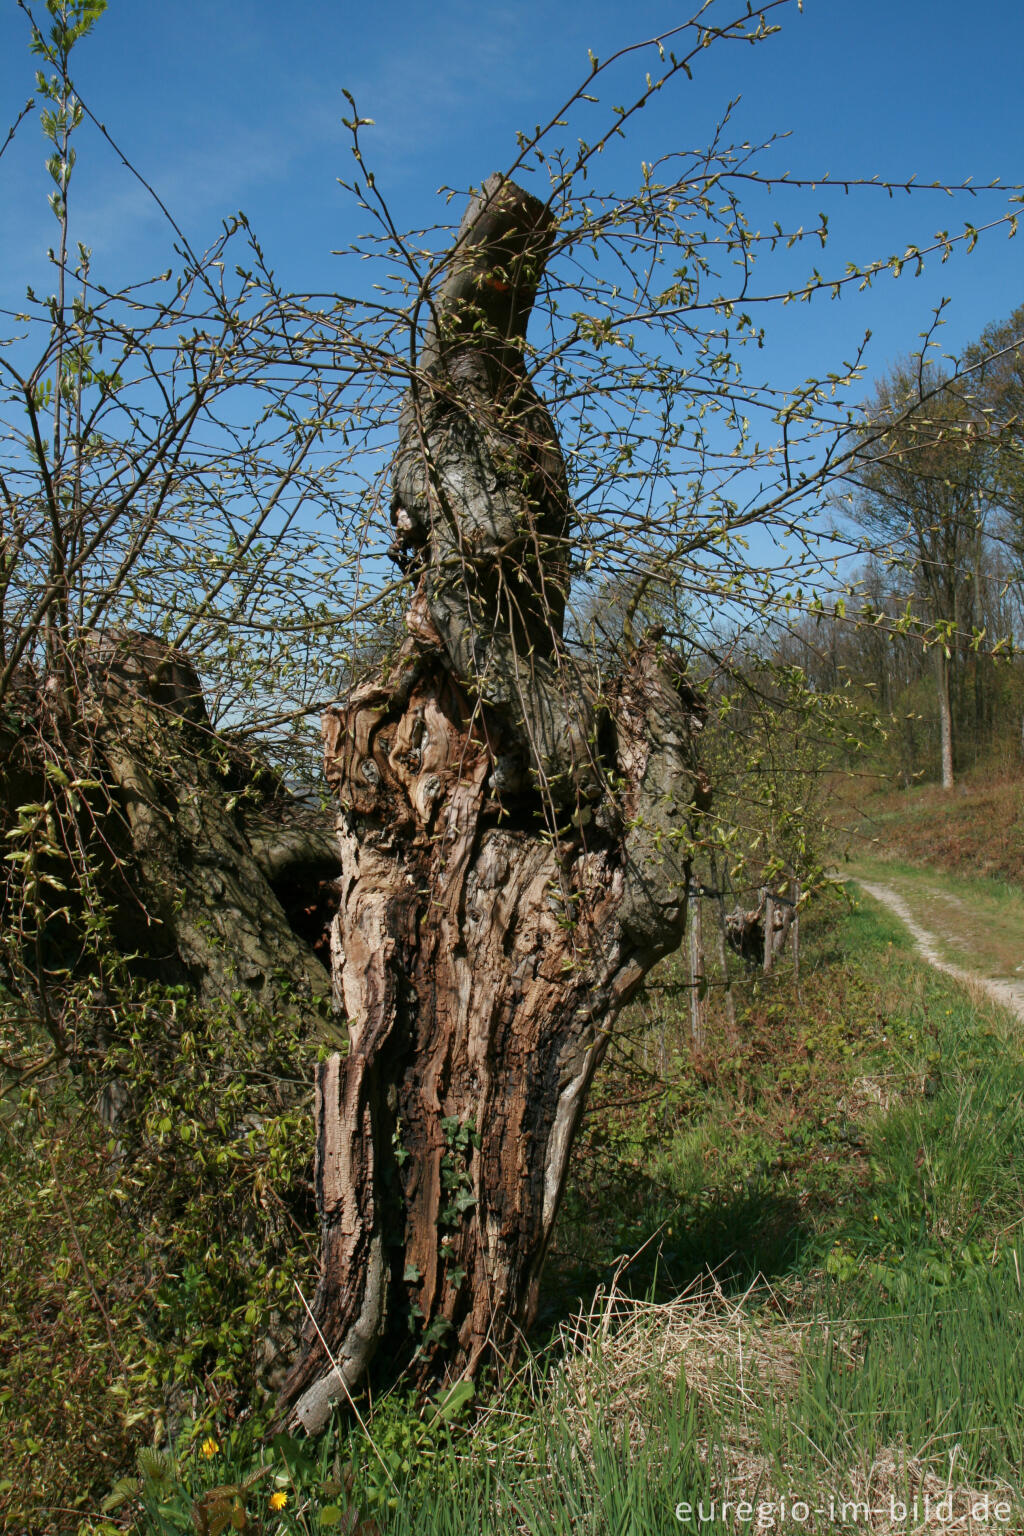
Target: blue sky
<point x="227" y="105"/>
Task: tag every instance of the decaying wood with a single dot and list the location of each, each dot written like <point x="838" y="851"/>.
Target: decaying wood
<point x="206" y="877"/>
<point x="744" y="932"/>
<point x="512" y="861"/>
<point x="759" y="934"/>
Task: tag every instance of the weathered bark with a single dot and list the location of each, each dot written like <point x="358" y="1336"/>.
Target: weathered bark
<point x="206" y="871"/>
<point x="512" y="854"/>
<point x="759" y="935"/>
<point x="778" y="918"/>
<point x="744" y="932"/>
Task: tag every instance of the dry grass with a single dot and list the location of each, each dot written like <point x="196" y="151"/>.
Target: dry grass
<point x="622" y="1347"/>
<point x="977" y="829"/>
<point x="869" y="1093"/>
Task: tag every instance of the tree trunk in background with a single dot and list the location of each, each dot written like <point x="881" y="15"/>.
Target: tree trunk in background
<point x="205" y="866"/>
<point x="723" y="953"/>
<point x="945" y="716"/>
<point x="769" y="931"/>
<point x="512" y="862"/>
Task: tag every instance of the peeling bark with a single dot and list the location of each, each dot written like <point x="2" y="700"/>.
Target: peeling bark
<point x="513" y="861"/>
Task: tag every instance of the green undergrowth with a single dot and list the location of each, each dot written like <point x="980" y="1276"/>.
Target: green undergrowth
<point x="157" y="1212"/>
<point x="744" y="1159"/>
<point x="846" y="1160"/>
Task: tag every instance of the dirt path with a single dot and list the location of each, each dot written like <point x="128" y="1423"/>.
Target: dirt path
<point x="1003" y="989"/>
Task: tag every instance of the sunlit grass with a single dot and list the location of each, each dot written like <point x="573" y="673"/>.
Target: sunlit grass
<point x="976" y="923"/>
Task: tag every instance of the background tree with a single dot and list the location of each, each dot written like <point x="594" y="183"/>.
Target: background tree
<point x="936" y="500"/>
<point x="996" y="361"/>
<point x="921" y="496"/>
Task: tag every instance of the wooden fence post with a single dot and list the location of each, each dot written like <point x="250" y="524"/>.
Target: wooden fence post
<point x="698" y="1007"/>
<point x="769" y="931"/>
<point x="723" y="951"/>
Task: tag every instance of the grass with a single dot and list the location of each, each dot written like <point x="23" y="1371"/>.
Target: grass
<point x="890" y="1123"/>
<point x="976" y="922"/>
<point x="746" y="1158"/>
<point x="825" y="1301"/>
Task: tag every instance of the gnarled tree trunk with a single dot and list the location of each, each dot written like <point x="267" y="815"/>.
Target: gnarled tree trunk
<point x="512" y="860"/>
<point x="205" y="865"/>
<point x="212" y="864"/>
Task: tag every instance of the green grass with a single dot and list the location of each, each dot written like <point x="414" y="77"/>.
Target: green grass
<point x="938" y="1354"/>
<point x="977" y="923"/>
<point x="891" y="1123"/>
<point x="859" y="1147"/>
<point x="990" y="893"/>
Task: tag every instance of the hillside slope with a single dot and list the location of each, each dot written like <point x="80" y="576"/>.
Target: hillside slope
<point x="975" y="830"/>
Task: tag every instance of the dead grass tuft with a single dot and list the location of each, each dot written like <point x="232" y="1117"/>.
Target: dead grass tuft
<point x="622" y="1348"/>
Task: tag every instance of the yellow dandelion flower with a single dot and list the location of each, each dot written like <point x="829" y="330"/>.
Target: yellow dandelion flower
<point x="278" y="1500"/>
<point x="209" y="1447"/>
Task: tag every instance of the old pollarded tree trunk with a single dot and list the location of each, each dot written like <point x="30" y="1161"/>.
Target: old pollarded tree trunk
<point x="511" y="862"/>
